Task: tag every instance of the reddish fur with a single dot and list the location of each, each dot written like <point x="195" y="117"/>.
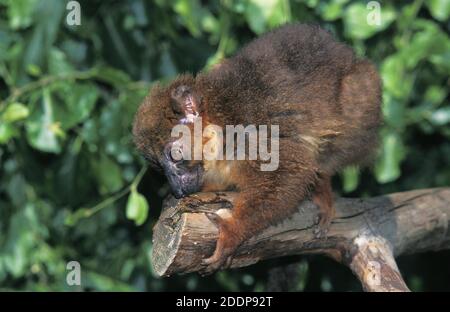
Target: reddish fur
<point x="325" y="100"/>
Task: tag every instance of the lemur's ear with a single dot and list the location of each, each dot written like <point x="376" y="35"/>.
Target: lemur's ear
<point x="186" y="103"/>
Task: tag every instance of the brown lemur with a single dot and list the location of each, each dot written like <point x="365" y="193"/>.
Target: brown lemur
<point x="325" y="100"/>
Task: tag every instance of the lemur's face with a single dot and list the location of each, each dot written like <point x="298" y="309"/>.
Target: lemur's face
<point x="184" y="176"/>
<point x="160" y="112"/>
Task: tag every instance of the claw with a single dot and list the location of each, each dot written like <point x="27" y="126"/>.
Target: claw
<point x="228" y="262"/>
<point x="320" y="232"/>
<point x="214" y="263"/>
<point x="214" y="218"/>
<point x="322" y="226"/>
<point x="316" y="219"/>
<point x="225" y="248"/>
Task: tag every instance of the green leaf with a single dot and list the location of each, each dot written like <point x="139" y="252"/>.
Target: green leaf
<point x="24" y="233"/>
<point x="58" y="63"/>
<point x="108" y="174"/>
<point x="387" y="168"/>
<point x="47" y="16"/>
<point x="427" y="41"/>
<point x="79" y="101"/>
<point x="281" y="14"/>
<point x="350" y="177"/>
<point x="190" y="13"/>
<point x="42" y="128"/>
<point x="210" y="24"/>
<point x="394" y="111"/>
<point x="356" y="20"/>
<point x="20" y="13"/>
<point x="7" y="132"/>
<point x="89" y="132"/>
<point x="311" y="3"/>
<point x="115" y="120"/>
<point x="441" y="116"/>
<point x="440" y="61"/>
<point x="137" y="207"/>
<point x="262" y="15"/>
<point x="440" y="9"/>
<point x="34" y="70"/>
<point x="395" y="79"/>
<point x="435" y="95"/>
<point x="112" y="76"/>
<point x="331" y="10"/>
<point x="14" y="112"/>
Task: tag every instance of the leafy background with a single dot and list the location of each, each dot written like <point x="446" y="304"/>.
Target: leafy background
<point x="72" y="186"/>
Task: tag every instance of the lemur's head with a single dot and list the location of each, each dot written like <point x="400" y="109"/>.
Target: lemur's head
<point x="165" y="107"/>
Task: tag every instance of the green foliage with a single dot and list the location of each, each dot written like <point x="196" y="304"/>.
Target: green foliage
<point x="355" y="21"/>
<point x="137" y="207"/>
<point x="72" y="186"/>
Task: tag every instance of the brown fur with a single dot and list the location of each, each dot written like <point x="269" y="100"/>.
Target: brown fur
<point x="324" y="99"/>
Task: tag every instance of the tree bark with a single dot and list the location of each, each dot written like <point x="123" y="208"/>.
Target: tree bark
<point x="365" y="235"/>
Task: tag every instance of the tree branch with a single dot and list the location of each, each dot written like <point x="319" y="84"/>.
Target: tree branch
<point x="365" y="235"/>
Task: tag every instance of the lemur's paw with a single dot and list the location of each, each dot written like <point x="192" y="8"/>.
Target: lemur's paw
<point x="214" y="263"/>
<point x="322" y="225"/>
<point x="227" y="244"/>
